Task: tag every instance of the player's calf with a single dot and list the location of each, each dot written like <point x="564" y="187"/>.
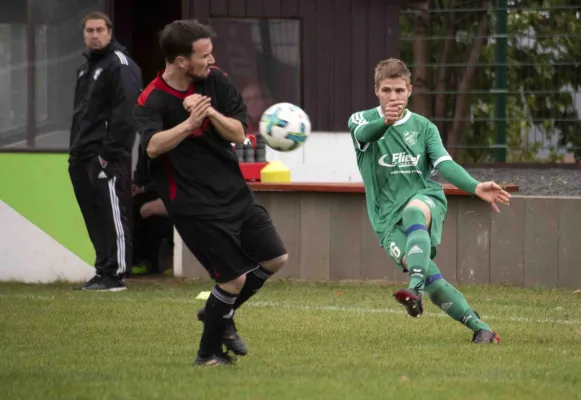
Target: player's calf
<point x="416" y="217"/>
<point x="231" y="339"/>
<point x="219" y="310"/>
<point x="453" y="303"/>
<point x="253" y="281"/>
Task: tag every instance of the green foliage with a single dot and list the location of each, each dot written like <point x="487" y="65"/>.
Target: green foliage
<point x="543" y="75"/>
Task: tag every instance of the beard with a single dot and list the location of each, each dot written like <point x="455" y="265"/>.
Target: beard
<point x="196" y="77"/>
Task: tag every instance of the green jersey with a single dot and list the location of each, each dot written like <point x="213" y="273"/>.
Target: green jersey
<point x="397" y="166"/>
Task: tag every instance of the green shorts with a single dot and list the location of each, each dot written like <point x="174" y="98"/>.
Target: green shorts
<point x="395" y="241"/>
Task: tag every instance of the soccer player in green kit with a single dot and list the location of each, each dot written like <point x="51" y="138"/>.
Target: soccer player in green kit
<point x="397" y="153"/>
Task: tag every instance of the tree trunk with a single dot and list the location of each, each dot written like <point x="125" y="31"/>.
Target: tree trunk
<point x="421" y="49"/>
<point x="441" y="83"/>
<point x="462" y="99"/>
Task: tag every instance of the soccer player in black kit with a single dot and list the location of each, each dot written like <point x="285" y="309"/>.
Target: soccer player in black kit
<point x="188" y="118"/>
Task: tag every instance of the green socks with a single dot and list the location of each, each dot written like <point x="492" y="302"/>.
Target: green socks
<point x="418" y="247"/>
<point x="452" y="302"/>
<point x="442" y="294"/>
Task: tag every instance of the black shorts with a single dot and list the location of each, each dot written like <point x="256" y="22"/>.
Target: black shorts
<point x="228" y="249"/>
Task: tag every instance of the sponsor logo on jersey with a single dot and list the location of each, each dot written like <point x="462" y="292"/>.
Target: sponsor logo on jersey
<point x="410" y="138"/>
<point x="97" y="73"/>
<point x="400" y="160"/>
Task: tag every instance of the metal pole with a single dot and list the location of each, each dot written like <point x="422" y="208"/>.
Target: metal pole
<point x="30" y="77"/>
<point x="500" y="81"/>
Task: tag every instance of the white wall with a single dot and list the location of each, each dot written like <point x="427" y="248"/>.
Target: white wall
<point x="27" y="254"/>
<point x="324" y="157"/>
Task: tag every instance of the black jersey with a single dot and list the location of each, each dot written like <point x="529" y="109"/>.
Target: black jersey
<point x="108" y="84"/>
<point x="201" y="176"/>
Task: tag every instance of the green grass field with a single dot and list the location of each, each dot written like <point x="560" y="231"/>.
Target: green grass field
<point x="306" y="341"/>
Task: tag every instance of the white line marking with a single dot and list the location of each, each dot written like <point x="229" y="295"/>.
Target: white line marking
<point x="293" y="306"/>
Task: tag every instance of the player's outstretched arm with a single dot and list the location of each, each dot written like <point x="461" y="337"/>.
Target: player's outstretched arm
<point x="458" y="176"/>
<point x="366" y="131"/>
<point x="487" y="191"/>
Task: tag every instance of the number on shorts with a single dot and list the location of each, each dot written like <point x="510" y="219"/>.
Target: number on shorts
<point x="394" y="250"/>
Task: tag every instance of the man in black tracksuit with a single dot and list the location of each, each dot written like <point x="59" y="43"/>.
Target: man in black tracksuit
<point x="102" y="135"/>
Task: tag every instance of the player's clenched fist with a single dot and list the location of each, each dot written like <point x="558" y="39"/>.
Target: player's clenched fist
<point x="392" y="111"/>
<point x="198" y="107"/>
<point x="193" y="100"/>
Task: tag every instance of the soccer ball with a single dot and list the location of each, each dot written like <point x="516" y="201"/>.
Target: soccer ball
<point x="284" y="127"/>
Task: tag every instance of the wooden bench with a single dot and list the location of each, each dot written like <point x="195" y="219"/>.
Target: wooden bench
<point x="314" y="187"/>
<point x="326" y="230"/>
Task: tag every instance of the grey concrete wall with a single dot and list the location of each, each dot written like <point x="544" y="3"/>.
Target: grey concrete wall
<point x="535" y="242"/>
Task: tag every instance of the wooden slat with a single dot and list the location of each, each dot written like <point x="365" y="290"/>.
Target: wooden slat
<point x="187" y="9"/>
<point x="359" y="69"/>
<point x="200" y="10"/>
<point x="541" y="242"/>
<point x="345" y="236"/>
<point x="255" y="8"/>
<point x="272" y="8"/>
<point x="391" y="25"/>
<point x="218" y="8"/>
<point x="237" y="8"/>
<point x="374" y="261"/>
<point x="324" y="66"/>
<point x="314" y="237"/>
<point x="569" y="242"/>
<point x="289" y="8"/>
<point x="507" y="244"/>
<point x="345" y="187"/>
<point x="341" y="104"/>
<point x="375" y="44"/>
<point x="447" y="251"/>
<point x="308" y="10"/>
<point x="473" y="251"/>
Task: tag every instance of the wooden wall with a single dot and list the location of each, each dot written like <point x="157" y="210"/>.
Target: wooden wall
<point x="535" y="242"/>
<point x="342" y="40"/>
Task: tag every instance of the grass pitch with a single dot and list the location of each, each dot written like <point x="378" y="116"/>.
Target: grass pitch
<point x="306" y="341"/>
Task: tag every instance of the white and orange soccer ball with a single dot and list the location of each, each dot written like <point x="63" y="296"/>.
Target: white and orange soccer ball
<point x="284" y="127"/>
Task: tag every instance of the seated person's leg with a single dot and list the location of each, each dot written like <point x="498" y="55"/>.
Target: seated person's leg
<point x="147" y="240"/>
<point x="153" y="207"/>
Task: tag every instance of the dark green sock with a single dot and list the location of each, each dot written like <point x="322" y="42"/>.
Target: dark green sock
<point x="452" y="302"/>
<point x="418" y="245"/>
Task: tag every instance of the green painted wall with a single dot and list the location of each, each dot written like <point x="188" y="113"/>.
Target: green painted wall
<point x="38" y="187"/>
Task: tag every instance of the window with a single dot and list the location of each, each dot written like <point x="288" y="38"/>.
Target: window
<point x="40" y="45"/>
<point x="262" y="57"/>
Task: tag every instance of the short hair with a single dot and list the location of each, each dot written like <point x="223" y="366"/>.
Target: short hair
<point x="391" y="68"/>
<point x="176" y="38"/>
<point x="98" y="15"/>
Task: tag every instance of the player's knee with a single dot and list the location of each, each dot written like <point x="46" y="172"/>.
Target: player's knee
<point x="275" y="264"/>
<point x="234" y="286"/>
<point x="404" y="263"/>
<point x="415" y="212"/>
